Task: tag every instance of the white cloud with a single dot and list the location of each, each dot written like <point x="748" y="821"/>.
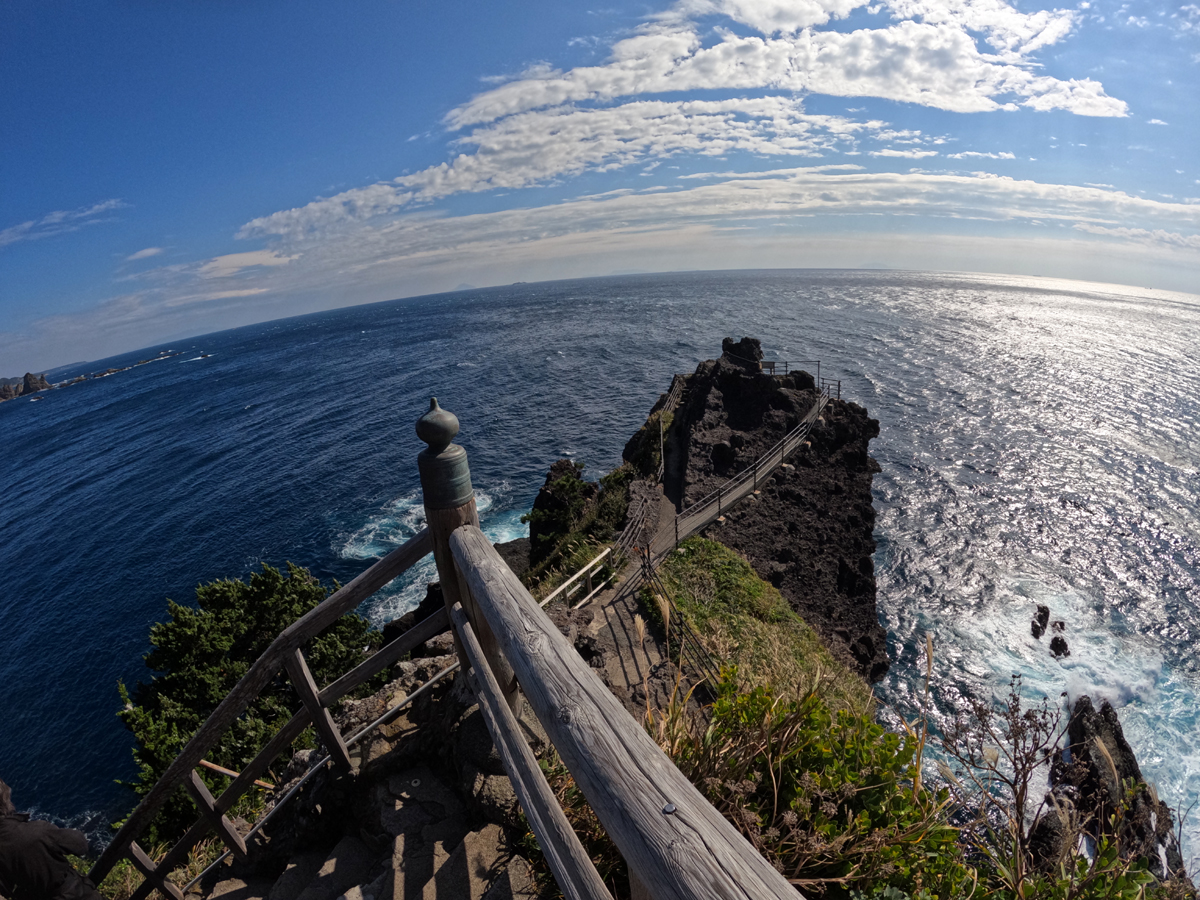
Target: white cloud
<point x="730" y="222"/>
<point x="937" y="65"/>
<point x="772" y="16"/>
<point x="1155" y="122"/>
<point x="232" y="263"/>
<point x="975" y="154"/>
<point x="58" y="222"/>
<point x="546" y="123"/>
<point x="1144" y="235"/>
<point x="1006" y="29"/>
<point x="536" y="146"/>
<point x="144" y="254"/>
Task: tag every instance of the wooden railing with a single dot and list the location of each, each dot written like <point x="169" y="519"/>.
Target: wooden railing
<point x="676" y="844"/>
<point x="284" y="652"/>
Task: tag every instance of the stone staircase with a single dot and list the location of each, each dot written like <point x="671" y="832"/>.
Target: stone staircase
<point x="430" y="816"/>
<point x="430" y="854"/>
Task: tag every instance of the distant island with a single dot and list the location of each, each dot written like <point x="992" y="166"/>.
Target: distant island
<point x="12" y="388"/>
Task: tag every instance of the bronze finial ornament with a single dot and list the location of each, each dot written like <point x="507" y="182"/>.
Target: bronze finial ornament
<point x="445" y="476"/>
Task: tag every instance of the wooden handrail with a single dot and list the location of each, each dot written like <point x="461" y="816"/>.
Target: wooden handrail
<point x="570" y="581"/>
<point x="569" y="862"/>
<point x="673" y="839"/>
<point x="252" y="683"/>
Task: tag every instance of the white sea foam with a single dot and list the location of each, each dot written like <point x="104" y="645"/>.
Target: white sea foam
<point x="1158" y="706"/>
<point x="398" y="521"/>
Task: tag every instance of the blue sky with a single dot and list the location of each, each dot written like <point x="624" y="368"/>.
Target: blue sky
<point x="170" y="169"/>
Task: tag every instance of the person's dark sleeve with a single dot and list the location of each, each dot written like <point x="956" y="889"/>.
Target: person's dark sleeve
<point x="64" y="840"/>
<point x="71" y="840"/>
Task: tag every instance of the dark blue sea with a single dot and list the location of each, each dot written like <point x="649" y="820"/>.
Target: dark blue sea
<point x="1040" y="443"/>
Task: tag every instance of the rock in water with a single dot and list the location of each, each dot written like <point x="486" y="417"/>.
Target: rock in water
<point x="1104" y="783"/>
<point x="33" y="383"/>
<point x="1040" y="621"/>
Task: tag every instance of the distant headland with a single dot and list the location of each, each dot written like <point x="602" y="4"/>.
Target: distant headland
<point x="30" y="384"/>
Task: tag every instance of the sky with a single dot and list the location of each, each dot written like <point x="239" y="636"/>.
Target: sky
<point x="173" y="169"/>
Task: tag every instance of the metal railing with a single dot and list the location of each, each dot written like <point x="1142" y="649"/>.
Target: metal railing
<point x="676" y="627"/>
<point x="713" y="505"/>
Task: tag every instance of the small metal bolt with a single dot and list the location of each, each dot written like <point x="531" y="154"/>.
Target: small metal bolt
<point x="668" y="809"/>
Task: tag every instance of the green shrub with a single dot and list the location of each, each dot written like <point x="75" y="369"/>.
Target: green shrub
<point x="200" y="654"/>
<point x="590" y="528"/>
<point x="829" y="796"/>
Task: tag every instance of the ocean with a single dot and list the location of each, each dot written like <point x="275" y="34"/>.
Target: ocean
<point x="1040" y="443"/>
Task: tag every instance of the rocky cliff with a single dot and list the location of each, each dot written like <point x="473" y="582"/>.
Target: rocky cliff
<point x="809" y="529"/>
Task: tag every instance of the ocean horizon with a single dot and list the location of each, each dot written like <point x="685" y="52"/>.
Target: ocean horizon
<point x="1039" y="444"/>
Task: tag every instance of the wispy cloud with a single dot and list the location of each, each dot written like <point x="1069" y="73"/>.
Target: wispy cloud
<point x="975" y="154"/>
<point x="144" y="254"/>
<point x="545" y="123"/>
<point x="730" y="219"/>
<point x="58" y="222"/>
<point x="934" y="62"/>
<point x="232" y="263"/>
<point x="904" y="154"/>
<point x="1148" y="236"/>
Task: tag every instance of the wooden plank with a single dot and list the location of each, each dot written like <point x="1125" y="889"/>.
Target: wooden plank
<point x="386" y="656"/>
<point x="673" y="839"/>
<point x="442" y="523"/>
<point x="302" y="681"/>
<point x="568" y="861"/>
<point x="221" y="770"/>
<point x="175" y="857"/>
<point x="252" y="683"/>
<point x="157" y="878"/>
<point x="207" y="806"/>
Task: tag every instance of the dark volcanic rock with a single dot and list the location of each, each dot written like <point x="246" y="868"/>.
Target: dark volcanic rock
<point x="558" y="506"/>
<point x="34" y="383"/>
<point x="515" y="554"/>
<point x="1058" y="646"/>
<point x="809" y="531"/>
<point x="746" y="353"/>
<point x="1099" y="775"/>
<point x="430" y="603"/>
<point x="1038" y="625"/>
<point x="28" y="385"/>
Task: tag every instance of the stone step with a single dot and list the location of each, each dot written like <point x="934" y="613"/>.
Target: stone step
<point x="300" y="872"/>
<point x="348" y="865"/>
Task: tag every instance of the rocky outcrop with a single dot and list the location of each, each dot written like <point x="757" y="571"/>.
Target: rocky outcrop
<point x="1097" y="787"/>
<point x="809" y="529"/>
<point x="558" y="507"/>
<point x="26" y="386"/>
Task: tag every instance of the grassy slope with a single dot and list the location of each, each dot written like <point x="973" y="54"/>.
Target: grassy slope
<point x="744" y="621"/>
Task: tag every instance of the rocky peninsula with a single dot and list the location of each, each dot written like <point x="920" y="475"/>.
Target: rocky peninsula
<point x="430" y="811"/>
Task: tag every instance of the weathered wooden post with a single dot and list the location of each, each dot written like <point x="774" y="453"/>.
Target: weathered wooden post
<point x="450" y="504"/>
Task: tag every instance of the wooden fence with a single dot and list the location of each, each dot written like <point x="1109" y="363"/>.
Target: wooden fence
<point x="677" y="846"/>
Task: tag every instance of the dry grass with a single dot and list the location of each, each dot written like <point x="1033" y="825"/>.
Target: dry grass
<point x="124" y="878"/>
